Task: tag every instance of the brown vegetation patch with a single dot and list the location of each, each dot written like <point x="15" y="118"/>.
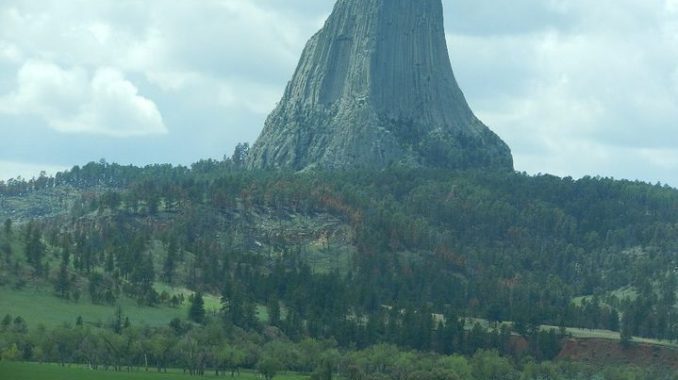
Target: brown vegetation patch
<point x="602" y="351"/>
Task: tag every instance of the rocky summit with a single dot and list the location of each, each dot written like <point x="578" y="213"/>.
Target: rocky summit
<point x="375" y="88"/>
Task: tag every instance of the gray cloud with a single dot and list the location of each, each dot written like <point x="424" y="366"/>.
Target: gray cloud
<point x="501" y="18"/>
<point x="592" y="95"/>
<point x="70" y="101"/>
<point x="575" y="87"/>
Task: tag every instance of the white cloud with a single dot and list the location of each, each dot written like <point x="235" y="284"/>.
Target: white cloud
<point x="9" y="52"/>
<point x="72" y="101"/>
<point x="222" y="53"/>
<point x="598" y="96"/>
<point x="256" y="98"/>
<point x="574" y="86"/>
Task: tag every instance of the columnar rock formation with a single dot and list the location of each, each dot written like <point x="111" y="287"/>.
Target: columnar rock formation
<point x="375" y="88"/>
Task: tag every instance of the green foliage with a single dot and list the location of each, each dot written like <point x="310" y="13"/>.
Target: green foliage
<point x="170" y="263"/>
<point x="32" y="303"/>
<point x="6" y="322"/>
<point x="273" y="309"/>
<point x="535" y="371"/>
<point x="626" y="335"/>
<point x="196" y="312"/>
<point x="35" y="248"/>
<point x="418" y="249"/>
<point x="456" y="367"/>
<point x="197" y="349"/>
<point x="327" y="365"/>
<point x="62" y="283"/>
<point x="8" y="227"/>
<point x="489" y="365"/>
<point x="269" y="367"/>
<point x="11" y="353"/>
<point x="231" y="358"/>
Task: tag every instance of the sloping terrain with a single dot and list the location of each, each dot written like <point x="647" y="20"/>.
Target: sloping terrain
<point x="603" y="351"/>
<point x="335" y="255"/>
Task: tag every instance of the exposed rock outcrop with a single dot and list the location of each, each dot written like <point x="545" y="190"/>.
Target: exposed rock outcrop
<point x="374" y="88"/>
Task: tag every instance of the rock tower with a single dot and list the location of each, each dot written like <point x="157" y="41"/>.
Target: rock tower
<point x="375" y="87"/>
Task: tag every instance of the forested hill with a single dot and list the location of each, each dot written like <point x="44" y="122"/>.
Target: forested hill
<point x="389" y="246"/>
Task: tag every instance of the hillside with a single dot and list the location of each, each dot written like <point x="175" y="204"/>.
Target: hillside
<point x="601" y="350"/>
<point x="361" y="258"/>
<point x="504" y="238"/>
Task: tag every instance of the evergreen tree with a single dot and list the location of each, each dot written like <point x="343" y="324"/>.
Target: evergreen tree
<point x="118" y="322"/>
<point x="6" y="322"/>
<point x="240" y="154"/>
<point x="613" y="323"/>
<point x="35" y="248"/>
<point x="626" y="334"/>
<point x="142" y="277"/>
<point x="169" y="266"/>
<point x="196" y="312"/>
<point x="273" y="309"/>
<point x="236" y="308"/>
<point x="8" y="227"/>
<point x="19" y="326"/>
<point x="7" y="249"/>
<point x="62" y="284"/>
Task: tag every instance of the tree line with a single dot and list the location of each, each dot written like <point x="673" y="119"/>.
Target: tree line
<point x="213" y="348"/>
<point x="497" y="246"/>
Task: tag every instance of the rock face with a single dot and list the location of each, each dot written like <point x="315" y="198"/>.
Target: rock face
<point x="374" y="88"/>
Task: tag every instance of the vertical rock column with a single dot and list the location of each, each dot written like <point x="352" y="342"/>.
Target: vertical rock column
<point x="375" y="87"/>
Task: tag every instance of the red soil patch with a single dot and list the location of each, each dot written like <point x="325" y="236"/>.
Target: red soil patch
<point x="517" y="345"/>
<point x="603" y="351"/>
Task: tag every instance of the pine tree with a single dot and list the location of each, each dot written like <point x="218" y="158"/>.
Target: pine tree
<point x="142" y="277"/>
<point x="626" y="334"/>
<point x="35" y="249"/>
<point x="170" y="264"/>
<point x="6" y="322"/>
<point x="118" y="320"/>
<point x="274" y="312"/>
<point x="238" y="311"/>
<point x="8" y="227"/>
<point x="613" y="323"/>
<point x="62" y="284"/>
<point x="196" y="313"/>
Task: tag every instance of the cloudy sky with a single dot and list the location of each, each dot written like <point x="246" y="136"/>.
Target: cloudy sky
<point x="576" y="87"/>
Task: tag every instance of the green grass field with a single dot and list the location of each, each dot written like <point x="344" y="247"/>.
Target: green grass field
<point x="33" y="371"/>
<point x="40" y="306"/>
<point x="621" y="293"/>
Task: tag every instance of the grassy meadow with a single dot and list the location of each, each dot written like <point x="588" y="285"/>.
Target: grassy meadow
<point x="39" y="305"/>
